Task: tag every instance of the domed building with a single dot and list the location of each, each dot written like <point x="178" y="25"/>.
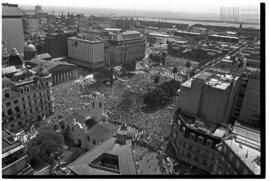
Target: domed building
<point x="30" y="51"/>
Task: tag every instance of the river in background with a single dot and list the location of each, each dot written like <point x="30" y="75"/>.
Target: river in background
<point x="153" y="14"/>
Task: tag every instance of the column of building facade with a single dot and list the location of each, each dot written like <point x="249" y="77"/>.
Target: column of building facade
<point x="59" y="78"/>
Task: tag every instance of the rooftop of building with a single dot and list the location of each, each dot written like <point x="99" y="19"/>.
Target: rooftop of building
<point x="87" y="123"/>
<point x="223" y="36"/>
<point x="113" y="29"/>
<point x="131" y="32"/>
<point x="8" y="142"/>
<point x="38" y="61"/>
<point x="159" y="34"/>
<point x="87" y="39"/>
<point x="203" y="126"/>
<point x="188" y="32"/>
<point x="213" y="77"/>
<point x="122" y="156"/>
<point x="9" y="70"/>
<point x="246" y="145"/>
<point x="11" y="11"/>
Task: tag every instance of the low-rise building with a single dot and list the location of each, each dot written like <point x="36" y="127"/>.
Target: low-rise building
<point x="221" y="38"/>
<point x="14" y="159"/>
<point x="86" y="52"/>
<point x="59" y="70"/>
<point x="112" y="157"/>
<point x="87" y="128"/>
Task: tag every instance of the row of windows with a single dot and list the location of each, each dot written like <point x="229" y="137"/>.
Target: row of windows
<point x="17" y="110"/>
<point x="200" y="139"/>
<point x="234" y="160"/>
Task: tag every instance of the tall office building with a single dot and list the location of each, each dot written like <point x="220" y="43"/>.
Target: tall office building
<point x="12" y="27"/>
<point x="126" y="47"/>
<point x="56" y="44"/>
<point x="248" y="104"/>
<point x="209" y="95"/>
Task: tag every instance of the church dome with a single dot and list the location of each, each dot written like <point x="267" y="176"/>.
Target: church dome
<point x="30" y="48"/>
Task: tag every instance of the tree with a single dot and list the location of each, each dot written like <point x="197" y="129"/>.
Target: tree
<point x="174" y="71"/>
<point x="76" y="152"/>
<point x="163" y="58"/>
<point x="41" y="148"/>
<point x="187" y="64"/>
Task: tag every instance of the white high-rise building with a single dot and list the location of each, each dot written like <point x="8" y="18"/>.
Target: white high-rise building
<point x="85" y="52"/>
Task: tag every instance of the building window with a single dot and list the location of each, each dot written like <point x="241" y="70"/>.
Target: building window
<point x="94" y="142"/>
<point x="93" y="104"/>
<point x="9" y="111"/>
<point x="72" y="129"/>
<point x="16" y="101"/>
<point x="245" y="172"/>
<point x="12" y="125"/>
<point x="100" y="104"/>
<point x="237" y="164"/>
<point x="231" y="157"/>
<point x="88" y="138"/>
<point x="224" y="149"/>
<point x="23" y="99"/>
<point x="7" y="95"/>
<point x="209" y="143"/>
<point x="200" y="139"/>
<point x="8" y="104"/>
<point x="17" y="109"/>
<point x="192" y="136"/>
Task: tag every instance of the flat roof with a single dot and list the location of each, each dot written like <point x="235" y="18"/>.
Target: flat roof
<point x="187" y="32"/>
<point x="213" y="79"/>
<point x="222" y="36"/>
<point x="82" y="165"/>
<point x="158" y="34"/>
<point x="85" y="40"/>
<point x="247" y="154"/>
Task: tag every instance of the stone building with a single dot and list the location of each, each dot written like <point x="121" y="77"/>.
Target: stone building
<point x="126" y="47"/>
<point x="27" y="100"/>
<point x="14" y="159"/>
<point x="216" y="150"/>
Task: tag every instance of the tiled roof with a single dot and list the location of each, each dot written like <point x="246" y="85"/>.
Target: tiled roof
<point x="82" y="166"/>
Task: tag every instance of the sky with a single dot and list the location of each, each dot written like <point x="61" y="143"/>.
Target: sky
<point x="212" y="6"/>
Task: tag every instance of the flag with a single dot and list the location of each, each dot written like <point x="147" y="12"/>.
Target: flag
<point x="240" y="146"/>
<point x="247" y="154"/>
